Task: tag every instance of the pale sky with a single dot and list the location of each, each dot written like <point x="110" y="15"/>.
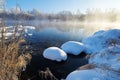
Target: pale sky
<point x="60" y="5"/>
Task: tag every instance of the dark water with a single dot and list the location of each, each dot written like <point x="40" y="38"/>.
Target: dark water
<point x="51" y="36"/>
<point x="59" y="70"/>
<point x="42" y="39"/>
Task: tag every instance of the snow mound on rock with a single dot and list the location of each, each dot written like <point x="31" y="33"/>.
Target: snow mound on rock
<point x="99" y="32"/>
<point x="91" y="74"/>
<point x="55" y="53"/>
<point x="108" y="58"/>
<point x="101" y="40"/>
<point x="73" y="47"/>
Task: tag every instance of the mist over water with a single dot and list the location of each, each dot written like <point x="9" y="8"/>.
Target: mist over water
<point x="74" y="30"/>
<point x="68" y="25"/>
<point x="66" y="30"/>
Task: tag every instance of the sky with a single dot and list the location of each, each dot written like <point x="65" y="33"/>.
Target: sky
<point x="53" y="6"/>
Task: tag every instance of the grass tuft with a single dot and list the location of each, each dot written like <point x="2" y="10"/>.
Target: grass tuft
<point x="12" y="62"/>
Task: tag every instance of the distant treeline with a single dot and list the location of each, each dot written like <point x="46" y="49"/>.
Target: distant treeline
<point x="111" y="15"/>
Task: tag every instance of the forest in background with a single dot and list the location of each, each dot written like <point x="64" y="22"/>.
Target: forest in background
<point x="91" y="15"/>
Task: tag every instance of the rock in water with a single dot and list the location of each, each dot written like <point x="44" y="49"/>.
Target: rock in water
<point x="55" y="53"/>
<point x="73" y="47"/>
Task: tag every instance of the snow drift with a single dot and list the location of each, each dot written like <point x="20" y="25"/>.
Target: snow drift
<point x="105" y="46"/>
<point x="93" y="74"/>
<point x="102" y="39"/>
<point x="85" y="75"/>
<point x="10" y="30"/>
<point x="108" y="58"/>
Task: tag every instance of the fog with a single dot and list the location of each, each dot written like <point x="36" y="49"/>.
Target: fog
<point x="73" y="30"/>
<point x="76" y="25"/>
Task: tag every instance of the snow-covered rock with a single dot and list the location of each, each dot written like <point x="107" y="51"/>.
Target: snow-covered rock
<point x="101" y="40"/>
<point x="73" y="47"/>
<point x="99" y="32"/>
<point x="93" y="74"/>
<point x="55" y="53"/>
<point x="108" y="58"/>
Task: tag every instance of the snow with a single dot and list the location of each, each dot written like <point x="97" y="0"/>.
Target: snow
<point x="99" y="32"/>
<point x="30" y="34"/>
<point x="93" y="74"/>
<point x="85" y="75"/>
<point x="105" y="46"/>
<point x="20" y="28"/>
<point x="30" y="27"/>
<point x="9" y="30"/>
<point x="8" y="34"/>
<point x="55" y="54"/>
<point x="108" y="58"/>
<point x="102" y="39"/>
<point x="73" y="47"/>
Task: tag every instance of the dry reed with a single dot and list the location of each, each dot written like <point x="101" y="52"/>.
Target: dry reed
<point x="11" y="61"/>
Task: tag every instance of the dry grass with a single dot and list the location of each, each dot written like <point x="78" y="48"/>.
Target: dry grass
<point x="47" y="75"/>
<point x="87" y="66"/>
<point x="11" y="61"/>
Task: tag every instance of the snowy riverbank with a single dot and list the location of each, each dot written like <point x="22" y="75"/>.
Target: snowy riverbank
<point x="104" y="48"/>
